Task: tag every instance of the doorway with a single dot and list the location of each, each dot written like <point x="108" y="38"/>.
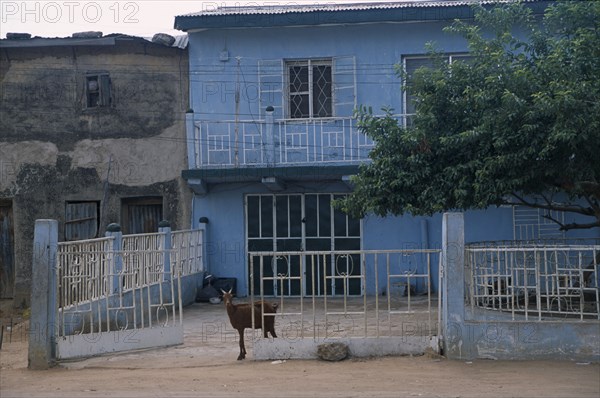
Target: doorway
<point x="302" y="222"/>
<point x="7" y="251"/>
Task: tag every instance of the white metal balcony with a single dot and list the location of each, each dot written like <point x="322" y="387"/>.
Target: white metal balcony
<point x="264" y="143"/>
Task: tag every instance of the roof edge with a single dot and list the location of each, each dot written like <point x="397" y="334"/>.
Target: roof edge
<point x="327" y="14"/>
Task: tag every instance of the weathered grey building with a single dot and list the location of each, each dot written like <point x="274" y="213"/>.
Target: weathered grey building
<point x="92" y="131"/>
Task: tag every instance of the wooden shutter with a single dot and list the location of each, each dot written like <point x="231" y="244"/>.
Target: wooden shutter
<point x="270" y="80"/>
<point x="105" y="90"/>
<point x="81" y="220"/>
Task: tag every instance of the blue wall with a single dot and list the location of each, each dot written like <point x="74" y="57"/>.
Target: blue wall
<point x="376" y="48"/>
<point x="224" y="207"/>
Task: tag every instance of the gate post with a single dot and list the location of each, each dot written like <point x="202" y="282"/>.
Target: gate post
<point x="114" y="231"/>
<point x="164" y="227"/>
<point x="42" y="330"/>
<point x="453" y="283"/>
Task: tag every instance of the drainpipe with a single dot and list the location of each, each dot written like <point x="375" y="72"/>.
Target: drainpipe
<point x="268" y="139"/>
<point x="190" y="129"/>
<point x="203" y="226"/>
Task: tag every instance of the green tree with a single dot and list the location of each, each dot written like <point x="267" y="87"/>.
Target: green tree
<point x="516" y="123"/>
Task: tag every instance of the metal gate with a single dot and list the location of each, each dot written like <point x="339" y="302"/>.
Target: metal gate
<point x="116" y="300"/>
<point x="399" y="313"/>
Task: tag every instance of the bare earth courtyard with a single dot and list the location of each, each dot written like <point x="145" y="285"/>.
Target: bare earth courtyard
<point x="205" y="366"/>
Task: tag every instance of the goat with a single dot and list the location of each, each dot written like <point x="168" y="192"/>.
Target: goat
<point x="240" y="316"/>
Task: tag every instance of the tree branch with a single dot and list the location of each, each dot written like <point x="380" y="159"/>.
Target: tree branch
<point x="567" y="227"/>
<point x="594" y="205"/>
<point x="570" y="209"/>
<point x="591" y="187"/>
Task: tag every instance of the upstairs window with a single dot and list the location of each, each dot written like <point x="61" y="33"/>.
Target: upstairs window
<point x="309" y="89"/>
<point x="98" y="90"/>
<point x="411" y="64"/>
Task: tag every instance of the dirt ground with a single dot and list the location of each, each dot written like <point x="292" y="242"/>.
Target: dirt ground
<point x="206" y="366"/>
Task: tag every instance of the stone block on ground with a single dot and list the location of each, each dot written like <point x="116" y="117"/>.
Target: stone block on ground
<point x="332" y="351"/>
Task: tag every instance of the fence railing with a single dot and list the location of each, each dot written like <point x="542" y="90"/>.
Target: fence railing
<point x="189" y="248"/>
<point x="91" y="269"/>
<point x="286" y="142"/>
<point x="323" y="294"/>
<point x="535" y="281"/>
<point x="151" y="241"/>
<point x="84" y="269"/>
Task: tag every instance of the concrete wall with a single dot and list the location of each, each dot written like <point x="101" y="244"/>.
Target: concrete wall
<point x="53" y="149"/>
<point x="489" y="334"/>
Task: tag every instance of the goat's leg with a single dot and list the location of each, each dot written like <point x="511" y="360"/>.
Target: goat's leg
<point x="242" y="347"/>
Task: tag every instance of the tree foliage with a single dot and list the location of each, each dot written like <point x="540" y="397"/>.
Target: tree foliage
<point x="518" y="123"/>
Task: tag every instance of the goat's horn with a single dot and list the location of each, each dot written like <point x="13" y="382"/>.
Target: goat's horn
<point x="223" y="291"/>
<point x="230" y="290"/>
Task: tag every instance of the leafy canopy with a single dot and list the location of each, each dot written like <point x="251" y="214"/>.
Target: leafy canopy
<point x="518" y="122"/>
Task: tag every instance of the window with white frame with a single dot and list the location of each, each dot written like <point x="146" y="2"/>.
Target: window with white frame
<point x="411" y="64"/>
<point x="309" y="89"/>
<point x="531" y="224"/>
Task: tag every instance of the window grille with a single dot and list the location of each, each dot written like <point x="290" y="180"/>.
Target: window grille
<point x="310" y="89"/>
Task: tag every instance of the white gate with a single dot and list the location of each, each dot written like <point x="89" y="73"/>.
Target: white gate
<point x="399" y="313"/>
<point x="115" y="300"/>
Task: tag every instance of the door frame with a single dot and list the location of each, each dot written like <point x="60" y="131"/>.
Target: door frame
<point x="10" y="291"/>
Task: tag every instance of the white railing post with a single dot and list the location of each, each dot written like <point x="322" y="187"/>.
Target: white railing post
<point x="116" y="268"/>
<point x="164" y="227"/>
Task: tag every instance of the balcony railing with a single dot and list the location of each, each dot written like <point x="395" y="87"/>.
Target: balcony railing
<point x="260" y="143"/>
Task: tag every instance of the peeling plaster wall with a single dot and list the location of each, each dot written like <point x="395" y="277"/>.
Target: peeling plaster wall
<point x="54" y="150"/>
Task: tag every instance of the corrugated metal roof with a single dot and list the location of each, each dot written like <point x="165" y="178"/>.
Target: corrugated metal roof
<point x="56" y="41"/>
<point x="298" y="8"/>
<point x="181" y="41"/>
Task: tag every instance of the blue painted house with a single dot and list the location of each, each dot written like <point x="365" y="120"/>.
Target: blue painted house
<point x="271" y="139"/>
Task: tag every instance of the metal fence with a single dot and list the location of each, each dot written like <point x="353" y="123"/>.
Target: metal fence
<point x="227" y="143"/>
<point x="118" y="298"/>
<point x="91" y="269"/>
<point x="403" y="299"/>
<point x="540" y="281"/>
<point x="189" y="247"/>
<point x="84" y="269"/>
